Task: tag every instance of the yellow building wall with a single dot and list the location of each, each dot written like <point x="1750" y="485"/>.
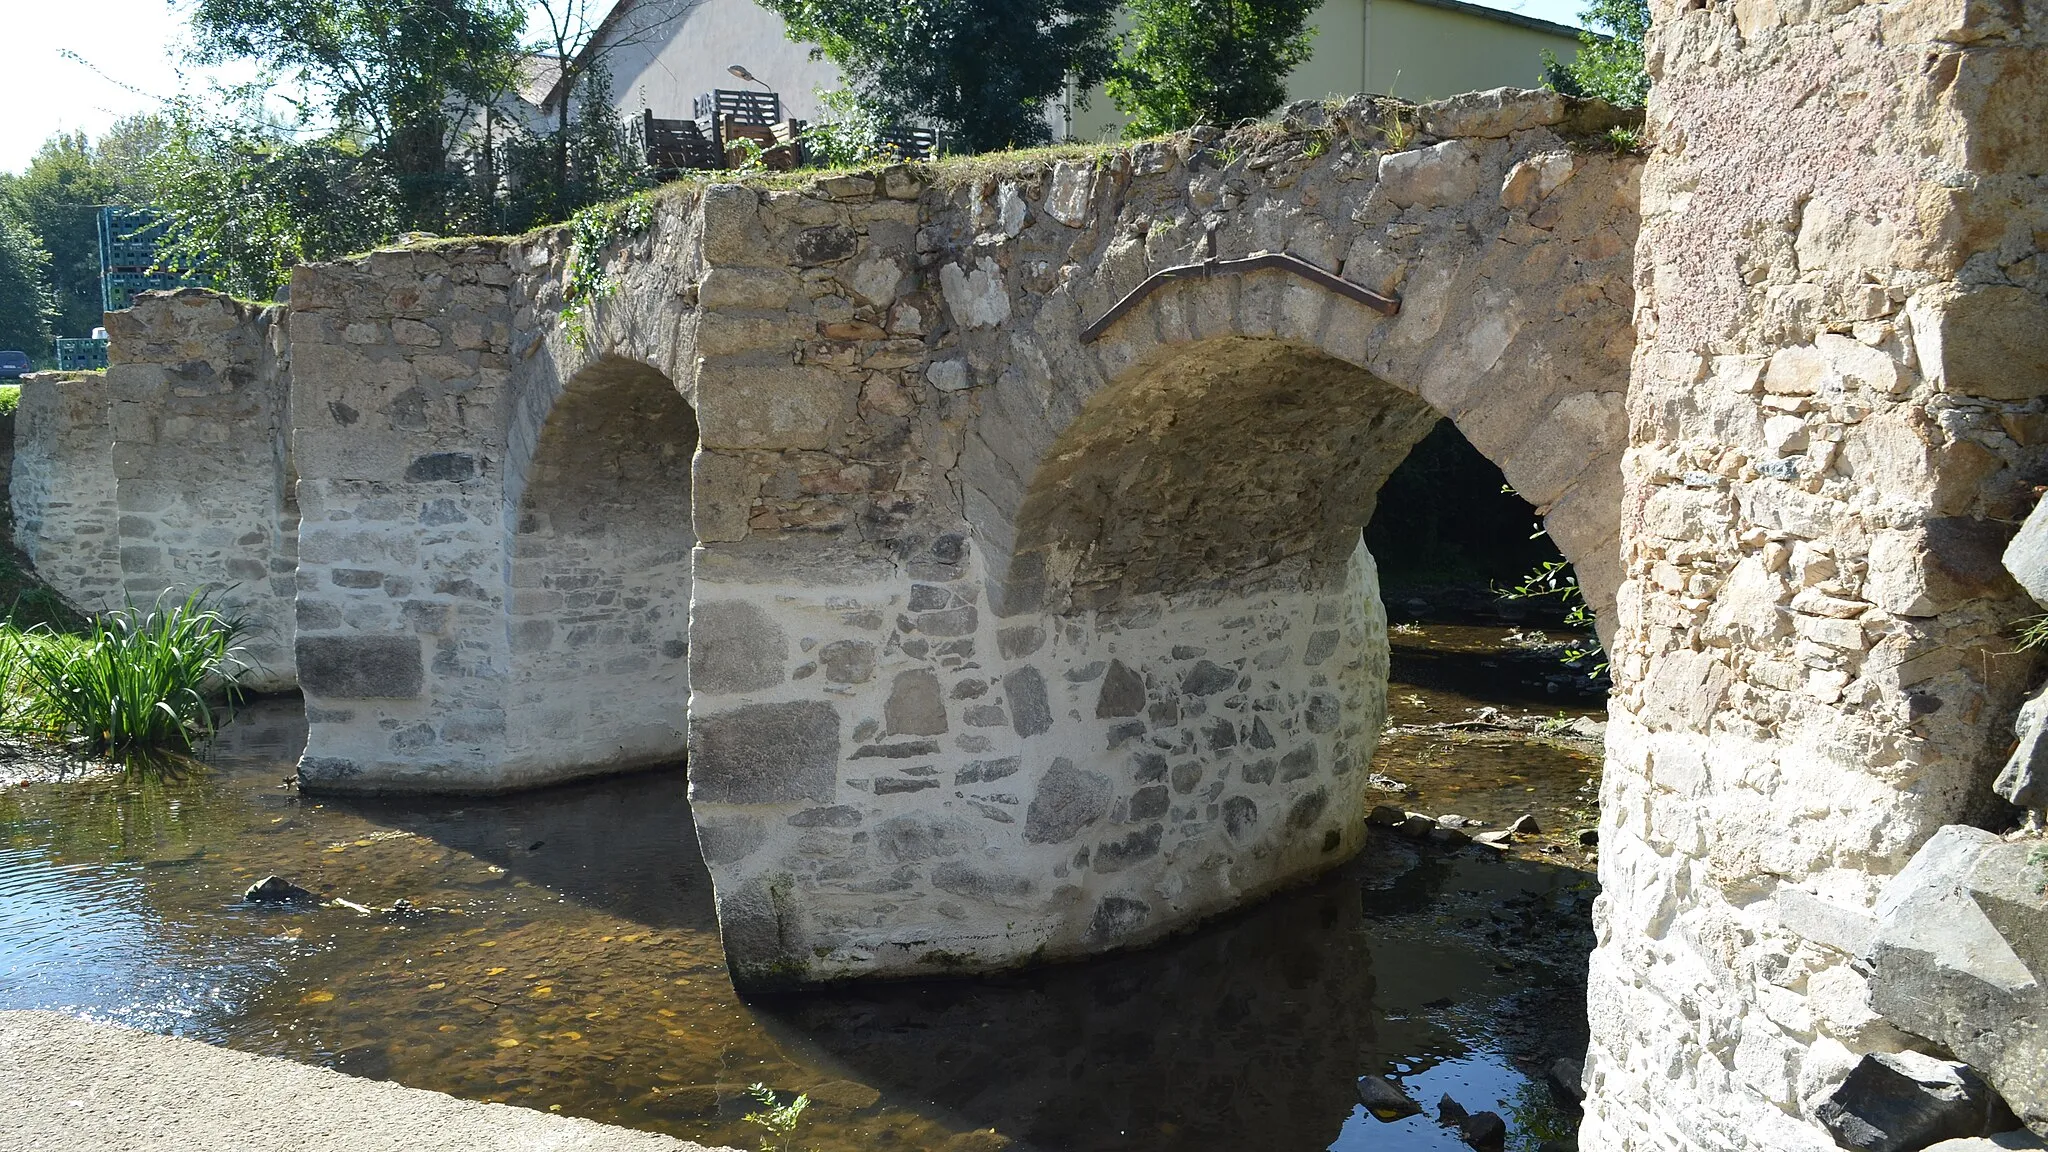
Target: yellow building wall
<point x="1390" y="48"/>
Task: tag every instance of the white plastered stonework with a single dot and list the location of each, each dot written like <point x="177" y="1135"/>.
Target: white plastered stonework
<point x="1835" y="421"/>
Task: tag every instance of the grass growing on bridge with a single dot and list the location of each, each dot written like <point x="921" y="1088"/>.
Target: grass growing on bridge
<point x="131" y="683"/>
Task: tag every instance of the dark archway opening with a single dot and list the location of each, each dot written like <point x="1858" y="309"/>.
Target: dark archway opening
<point x="1461" y="553"/>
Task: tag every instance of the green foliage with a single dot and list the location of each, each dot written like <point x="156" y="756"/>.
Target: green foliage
<point x="245" y="202"/>
<point x="983" y="71"/>
<point x="1624" y="140"/>
<point x="551" y="176"/>
<point x="1555" y="580"/>
<point x="10" y="398"/>
<point x="1608" y="66"/>
<point x="134" y="682"/>
<point x="778" y="1119"/>
<point x="26" y="307"/>
<point x="1398" y="130"/>
<point x="592" y="231"/>
<point x="847" y="135"/>
<point x="1189" y="62"/>
<point x="2033" y="632"/>
<point x="58" y="197"/>
<point x="392" y="75"/>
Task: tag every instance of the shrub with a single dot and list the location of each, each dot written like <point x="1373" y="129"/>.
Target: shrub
<point x="133" y="682"/>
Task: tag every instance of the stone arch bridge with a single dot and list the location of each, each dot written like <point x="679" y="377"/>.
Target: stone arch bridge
<point x="1004" y="620"/>
<point x="987" y="641"/>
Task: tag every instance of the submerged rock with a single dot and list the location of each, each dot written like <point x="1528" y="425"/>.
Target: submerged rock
<point x="278" y="890"/>
<point x="1449" y="1111"/>
<point x="1484" y="1130"/>
<point x="1386" y="1099"/>
<point x="1567" y="1080"/>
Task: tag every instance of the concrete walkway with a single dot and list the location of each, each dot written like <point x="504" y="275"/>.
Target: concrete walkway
<point x="75" y="1086"/>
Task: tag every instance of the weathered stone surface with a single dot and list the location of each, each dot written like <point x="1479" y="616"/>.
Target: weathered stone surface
<point x="1067" y="198"/>
<point x="361" y="667"/>
<point x="1494" y="113"/>
<point x="1906" y="1101"/>
<point x="848" y="661"/>
<point x="735" y="647"/>
<point x="1123" y="691"/>
<point x="1445" y="173"/>
<point x="2026" y="557"/>
<point x="915" y="707"/>
<point x="1961" y="939"/>
<point x="1030" y="711"/>
<point x="765" y="754"/>
<point x="977" y="297"/>
<point x="2024" y="779"/>
<point x="1068" y="800"/>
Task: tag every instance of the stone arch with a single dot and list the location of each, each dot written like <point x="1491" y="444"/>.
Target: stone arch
<point x="598" y="565"/>
<point x="1334" y="395"/>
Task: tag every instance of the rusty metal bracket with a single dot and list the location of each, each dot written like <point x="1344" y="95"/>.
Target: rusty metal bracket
<point x="1257" y="261"/>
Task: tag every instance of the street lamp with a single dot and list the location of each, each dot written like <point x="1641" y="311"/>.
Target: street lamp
<point x="741" y="72"/>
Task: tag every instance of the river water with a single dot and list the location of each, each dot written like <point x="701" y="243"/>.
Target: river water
<point x="557" y="950"/>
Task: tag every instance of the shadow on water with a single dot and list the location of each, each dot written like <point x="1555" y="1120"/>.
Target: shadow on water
<point x="558" y="949"/>
<point x="1250" y="1032"/>
<point x="624" y="846"/>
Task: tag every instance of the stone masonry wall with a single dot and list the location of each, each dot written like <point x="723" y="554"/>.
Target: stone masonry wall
<point x="198" y="404"/>
<point x="956" y="696"/>
<point x="1836" y="416"/>
<point x="62" y="490"/>
<point x="910" y="754"/>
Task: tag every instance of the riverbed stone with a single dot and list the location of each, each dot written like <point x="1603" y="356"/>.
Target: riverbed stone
<point x="1905" y="1101"/>
<point x="1962" y="933"/>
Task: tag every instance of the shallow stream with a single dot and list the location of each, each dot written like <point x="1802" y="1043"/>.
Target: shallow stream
<point x="557" y="949"/>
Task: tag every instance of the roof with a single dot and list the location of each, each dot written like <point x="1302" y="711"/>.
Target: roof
<point x="1496" y="15"/>
<point x="590" y="49"/>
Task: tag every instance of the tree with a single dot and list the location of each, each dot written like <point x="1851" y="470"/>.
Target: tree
<point x="400" y="77"/>
<point x="982" y="70"/>
<point x="1189" y="62"/>
<point x="1608" y="66"/>
<point x="25" y="304"/>
<point x="245" y="202"/>
<point x="587" y="160"/>
<point x="58" y="197"/>
<point x="573" y="43"/>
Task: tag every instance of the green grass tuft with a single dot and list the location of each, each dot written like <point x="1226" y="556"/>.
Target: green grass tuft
<point x="132" y="684"/>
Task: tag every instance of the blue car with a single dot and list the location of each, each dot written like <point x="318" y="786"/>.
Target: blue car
<point x="13" y="365"/>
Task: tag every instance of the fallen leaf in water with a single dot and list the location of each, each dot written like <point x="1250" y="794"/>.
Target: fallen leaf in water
<point x="317" y="996"/>
<point x="506" y="1042"/>
<point x="543" y="990"/>
<point x="492" y="971"/>
<point x="437" y="985"/>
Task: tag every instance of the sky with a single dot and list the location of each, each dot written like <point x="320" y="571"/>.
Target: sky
<point x="131" y="62"/>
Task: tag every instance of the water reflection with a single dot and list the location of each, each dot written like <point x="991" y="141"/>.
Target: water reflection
<point x="558" y="948"/>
